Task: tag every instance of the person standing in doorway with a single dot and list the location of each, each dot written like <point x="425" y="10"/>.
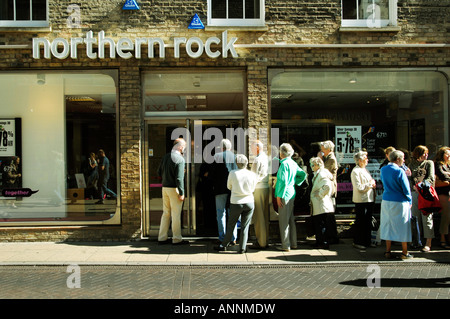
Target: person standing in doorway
<point x="224" y="163"/>
<point x="172" y="172"/>
<point x="103" y="177"/>
<point x="260" y="167"/>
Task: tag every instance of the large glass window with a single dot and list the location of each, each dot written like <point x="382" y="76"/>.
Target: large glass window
<point x="172" y="93"/>
<point x="368" y="110"/>
<point x="369" y="13"/>
<point x="236" y="12"/>
<point x="56" y="124"/>
<point x="23" y="13"/>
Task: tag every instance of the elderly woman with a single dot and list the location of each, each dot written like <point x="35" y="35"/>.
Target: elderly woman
<point x="442" y="170"/>
<point x="321" y="202"/>
<point x="330" y="163"/>
<point x="364" y="199"/>
<point x="395" y="217"/>
<point x="289" y="174"/>
<point x="241" y="183"/>
<point x="422" y="170"/>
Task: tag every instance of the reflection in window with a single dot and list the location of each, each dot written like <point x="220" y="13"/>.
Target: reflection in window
<point x="23" y="13"/>
<point x="236" y="12"/>
<point x="63" y="119"/>
<point x="400" y="109"/>
<point x="368" y="13"/>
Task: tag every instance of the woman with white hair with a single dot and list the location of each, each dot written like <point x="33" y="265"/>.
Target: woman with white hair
<point x="330" y="163"/>
<point x="364" y="199"/>
<point x="241" y="183"/>
<point x="395" y="217"/>
<point x="321" y="202"/>
<point x="289" y="174"/>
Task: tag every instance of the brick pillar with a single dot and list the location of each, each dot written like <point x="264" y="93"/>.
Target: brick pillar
<point x="257" y="111"/>
<point x="129" y="138"/>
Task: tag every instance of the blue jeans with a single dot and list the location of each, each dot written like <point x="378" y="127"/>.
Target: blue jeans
<point x="222" y="213"/>
<point x="103" y="189"/>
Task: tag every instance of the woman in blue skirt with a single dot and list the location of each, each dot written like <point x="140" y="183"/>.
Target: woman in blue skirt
<point x="395" y="219"/>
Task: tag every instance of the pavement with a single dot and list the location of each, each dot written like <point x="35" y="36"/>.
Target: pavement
<point x="178" y="279"/>
<point x="200" y="251"/>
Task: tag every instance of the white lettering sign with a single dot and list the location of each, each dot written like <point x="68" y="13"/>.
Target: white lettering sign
<point x="61" y="48"/>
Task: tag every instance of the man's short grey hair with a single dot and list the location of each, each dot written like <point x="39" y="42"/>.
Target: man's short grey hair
<point x="241" y="161"/>
<point x="317" y="161"/>
<point x="359" y="156"/>
<point x="225" y="144"/>
<point x="328" y="145"/>
<point x="395" y="155"/>
<point x="286" y="149"/>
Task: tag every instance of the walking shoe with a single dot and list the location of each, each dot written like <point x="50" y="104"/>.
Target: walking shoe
<point x="163" y="242"/>
<point x="183" y="242"/>
<point x="407" y="256"/>
<point x="359" y="246"/>
<point x="220" y="248"/>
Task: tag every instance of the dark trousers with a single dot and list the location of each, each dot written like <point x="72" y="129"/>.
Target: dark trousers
<point x="245" y="211"/>
<point x="363" y="224"/>
<point x="321" y="224"/>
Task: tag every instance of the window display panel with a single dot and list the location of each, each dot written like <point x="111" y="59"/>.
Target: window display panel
<point x="368" y="110"/>
<point x="55" y="126"/>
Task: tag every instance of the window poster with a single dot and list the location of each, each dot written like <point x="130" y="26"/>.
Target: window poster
<point x="348" y="141"/>
<point x="10" y="154"/>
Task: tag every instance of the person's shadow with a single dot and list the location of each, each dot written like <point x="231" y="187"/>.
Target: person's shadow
<point x="404" y="282"/>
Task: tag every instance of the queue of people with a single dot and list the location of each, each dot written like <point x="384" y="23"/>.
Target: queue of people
<point x="242" y="194"/>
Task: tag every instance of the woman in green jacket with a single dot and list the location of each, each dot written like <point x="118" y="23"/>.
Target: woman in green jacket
<point x="289" y="174"/>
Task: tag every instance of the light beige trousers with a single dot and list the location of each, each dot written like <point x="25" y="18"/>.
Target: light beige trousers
<point x="172" y="207"/>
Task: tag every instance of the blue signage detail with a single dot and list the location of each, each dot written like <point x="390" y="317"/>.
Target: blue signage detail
<point x="130" y="5"/>
<point x="196" y="23"/>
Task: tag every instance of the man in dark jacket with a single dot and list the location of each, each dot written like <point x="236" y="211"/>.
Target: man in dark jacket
<point x="224" y="162"/>
<point x="172" y="172"/>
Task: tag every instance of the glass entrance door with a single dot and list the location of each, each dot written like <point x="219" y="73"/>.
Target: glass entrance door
<point x="203" y="140"/>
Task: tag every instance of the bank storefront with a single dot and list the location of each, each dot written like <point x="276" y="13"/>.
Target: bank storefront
<point x="54" y="121"/>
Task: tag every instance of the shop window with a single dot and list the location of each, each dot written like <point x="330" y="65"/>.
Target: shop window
<point x="236" y="12"/>
<point x="24" y="13"/>
<point x="369" y="13"/>
<point x="186" y="93"/>
<point x="52" y="122"/>
<point x="368" y="110"/>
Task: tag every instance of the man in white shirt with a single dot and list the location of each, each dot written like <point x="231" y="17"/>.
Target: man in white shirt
<point x="260" y="167"/>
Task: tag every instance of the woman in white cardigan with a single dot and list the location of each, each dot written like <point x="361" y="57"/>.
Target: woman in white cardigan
<point x="321" y="201"/>
<point x="364" y="198"/>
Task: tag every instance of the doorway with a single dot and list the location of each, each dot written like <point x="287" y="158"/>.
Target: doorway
<point x="203" y="139"/>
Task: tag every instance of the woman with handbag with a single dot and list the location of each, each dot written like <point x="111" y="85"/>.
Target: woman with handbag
<point x="364" y="198"/>
<point x="442" y="185"/>
<point x="422" y="170"/>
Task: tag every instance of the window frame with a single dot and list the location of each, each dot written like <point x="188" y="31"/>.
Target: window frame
<point x="26" y="23"/>
<point x="237" y="22"/>
<point x="363" y="23"/>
